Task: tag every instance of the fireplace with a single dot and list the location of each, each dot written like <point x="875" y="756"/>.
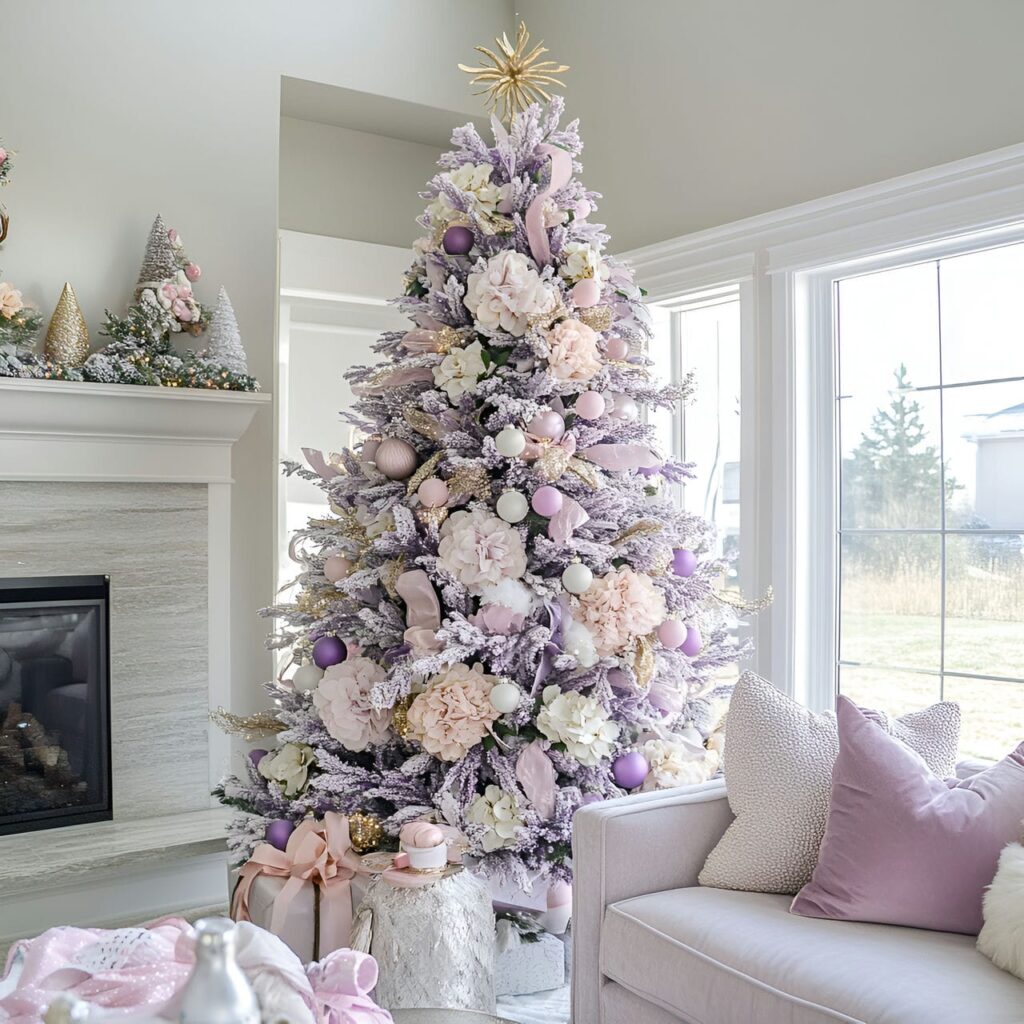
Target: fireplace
<point x="54" y="702"/>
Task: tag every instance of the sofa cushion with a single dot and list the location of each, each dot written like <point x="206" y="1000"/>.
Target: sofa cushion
<point x="778" y="768"/>
<point x="723" y="957"/>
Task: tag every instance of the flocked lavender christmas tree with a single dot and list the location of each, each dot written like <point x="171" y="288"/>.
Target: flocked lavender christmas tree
<point x="501" y="616"/>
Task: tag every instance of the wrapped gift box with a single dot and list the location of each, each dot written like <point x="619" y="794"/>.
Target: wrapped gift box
<point x="524" y="967"/>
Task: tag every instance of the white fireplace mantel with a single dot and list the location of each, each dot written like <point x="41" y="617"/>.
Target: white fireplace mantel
<point x="64" y="430"/>
<point x="83" y="434"/>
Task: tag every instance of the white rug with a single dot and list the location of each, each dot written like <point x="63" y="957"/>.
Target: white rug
<point x="540" y="1008"/>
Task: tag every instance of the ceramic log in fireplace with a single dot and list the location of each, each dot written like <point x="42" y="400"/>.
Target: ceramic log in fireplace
<point x="54" y="702"/>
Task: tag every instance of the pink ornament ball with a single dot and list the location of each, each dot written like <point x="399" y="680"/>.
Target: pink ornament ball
<point x="547" y="501"/>
<point x="616" y="348"/>
<point x="433" y="492"/>
<point x="684" y="562"/>
<point x="547" y="424"/>
<point x="396" y="458"/>
<point x="586" y="293"/>
<point x="630" y="770"/>
<point x="369" y="449"/>
<point x="457" y="240"/>
<point x="590" y="405"/>
<point x="337" y="567"/>
<point x="693" y="643"/>
<point x="672" y="634"/>
<point x="328" y="651"/>
<point x="256" y="755"/>
<point x="279" y="832"/>
<point x="559" y="894"/>
<point x="583" y="209"/>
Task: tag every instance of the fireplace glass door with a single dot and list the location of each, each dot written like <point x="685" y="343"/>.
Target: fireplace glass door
<point x="54" y="702"/>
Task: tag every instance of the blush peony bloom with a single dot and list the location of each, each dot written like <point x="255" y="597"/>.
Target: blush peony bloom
<point x="458" y="372"/>
<point x="507" y="292"/>
<point x="288" y="767"/>
<point x="478" y="548"/>
<point x="581" y="723"/>
<point x="10" y="300"/>
<point x="499" y="812"/>
<point x="454" y="713"/>
<point x="342" y="698"/>
<point x="574" y="354"/>
<point x="619" y="606"/>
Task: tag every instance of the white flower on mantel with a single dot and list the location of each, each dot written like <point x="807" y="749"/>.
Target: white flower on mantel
<point x="580" y="722"/>
<point x="498" y="811"/>
<point x="458" y="372"/>
<point x="288" y="767"/>
<point x="678" y="759"/>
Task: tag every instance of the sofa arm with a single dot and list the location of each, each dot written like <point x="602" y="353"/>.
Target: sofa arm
<point x="629" y="847"/>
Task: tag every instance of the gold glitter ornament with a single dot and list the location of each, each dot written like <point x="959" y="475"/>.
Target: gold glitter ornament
<point x="516" y="76"/>
<point x="432" y="517"/>
<point x="553" y="462"/>
<point x="643" y="660"/>
<point x="365" y="831"/>
<point x="545" y="321"/>
<point x="597" y="318"/>
<point x="67" y="337"/>
<point x="400" y="716"/>
<point x="423" y="423"/>
<point x="643" y="528"/>
<point x="446" y="339"/>
<point x="471" y="482"/>
<point x="426" y="470"/>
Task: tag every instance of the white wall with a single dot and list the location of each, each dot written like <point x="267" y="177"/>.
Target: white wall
<point x="700" y="112"/>
<point x="351" y="184"/>
<point x="120" y="110"/>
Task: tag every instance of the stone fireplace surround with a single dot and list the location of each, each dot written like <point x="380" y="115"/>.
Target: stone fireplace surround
<point x="135" y="483"/>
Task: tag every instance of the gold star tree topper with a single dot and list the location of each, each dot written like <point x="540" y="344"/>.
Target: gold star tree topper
<point x="516" y="76"/>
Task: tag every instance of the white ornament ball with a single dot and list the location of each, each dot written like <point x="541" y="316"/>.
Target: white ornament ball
<point x="513" y="507"/>
<point x="307" y="676"/>
<point x="577" y="578"/>
<point x="510" y="442"/>
<point x="625" y="408"/>
<point x="505" y="697"/>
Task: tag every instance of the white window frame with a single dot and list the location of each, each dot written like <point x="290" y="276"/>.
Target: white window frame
<point x="787" y="260"/>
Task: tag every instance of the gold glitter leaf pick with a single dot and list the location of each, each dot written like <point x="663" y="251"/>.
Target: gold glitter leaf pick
<point x="516" y="76"/>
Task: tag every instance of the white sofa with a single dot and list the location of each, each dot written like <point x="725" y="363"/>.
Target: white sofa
<point x="651" y="946"/>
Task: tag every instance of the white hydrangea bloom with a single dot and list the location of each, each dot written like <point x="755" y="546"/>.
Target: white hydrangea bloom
<point x="499" y="812"/>
<point x="580" y="722"/>
<point x="678" y="759"/>
<point x="458" y="372"/>
<point x="475" y="179"/>
<point x="580" y="261"/>
<point x="507" y="292"/>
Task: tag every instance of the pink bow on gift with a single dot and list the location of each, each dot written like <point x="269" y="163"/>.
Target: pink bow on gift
<point x="319" y="852"/>
<point x="342" y="983"/>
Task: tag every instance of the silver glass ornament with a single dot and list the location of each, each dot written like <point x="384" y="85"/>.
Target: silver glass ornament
<point x="217" y="992"/>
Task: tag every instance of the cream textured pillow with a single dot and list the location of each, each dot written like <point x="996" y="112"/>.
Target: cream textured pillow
<point x="778" y="773"/>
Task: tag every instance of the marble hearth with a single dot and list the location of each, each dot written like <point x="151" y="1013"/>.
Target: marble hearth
<point x="133" y="483"/>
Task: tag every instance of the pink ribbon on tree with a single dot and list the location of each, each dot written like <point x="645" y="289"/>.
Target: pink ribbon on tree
<point x="536" y="233"/>
<point x="616" y="457"/>
<point x="536" y="774"/>
<point x="318" y="852"/>
<point x="567" y="519"/>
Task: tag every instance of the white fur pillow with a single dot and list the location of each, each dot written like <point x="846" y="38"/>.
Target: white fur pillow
<point x="778" y="773"/>
<point x="1001" y="938"/>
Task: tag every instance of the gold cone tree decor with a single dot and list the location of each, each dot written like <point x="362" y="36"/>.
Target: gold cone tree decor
<point x="67" y="338"/>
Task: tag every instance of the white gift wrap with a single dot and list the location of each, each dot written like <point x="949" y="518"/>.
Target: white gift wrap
<point x="434" y="945"/>
<point x="298" y="931"/>
<point x="525" y="967"/>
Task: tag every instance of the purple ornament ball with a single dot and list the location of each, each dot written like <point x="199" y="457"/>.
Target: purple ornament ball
<point x="684" y="562"/>
<point x="547" y="501"/>
<point x="457" y="240"/>
<point x="591" y="798"/>
<point x="278" y="832"/>
<point x="256" y="755"/>
<point x="328" y="651"/>
<point x="630" y="770"/>
<point x="693" y="643"/>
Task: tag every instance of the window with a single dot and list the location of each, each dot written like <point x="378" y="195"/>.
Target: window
<point x="703" y="336"/>
<point x="929" y="417"/>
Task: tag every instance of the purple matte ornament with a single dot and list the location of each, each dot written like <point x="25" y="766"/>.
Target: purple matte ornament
<point x="547" y="501"/>
<point x="591" y="798"/>
<point x="547" y="424"/>
<point x="457" y="240"/>
<point x="693" y="643"/>
<point x="257" y="754"/>
<point x="630" y="770"/>
<point x="278" y="833"/>
<point x="328" y="651"/>
<point x="684" y="562"/>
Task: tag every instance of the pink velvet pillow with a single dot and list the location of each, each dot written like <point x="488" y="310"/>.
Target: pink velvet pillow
<point x="902" y="846"/>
